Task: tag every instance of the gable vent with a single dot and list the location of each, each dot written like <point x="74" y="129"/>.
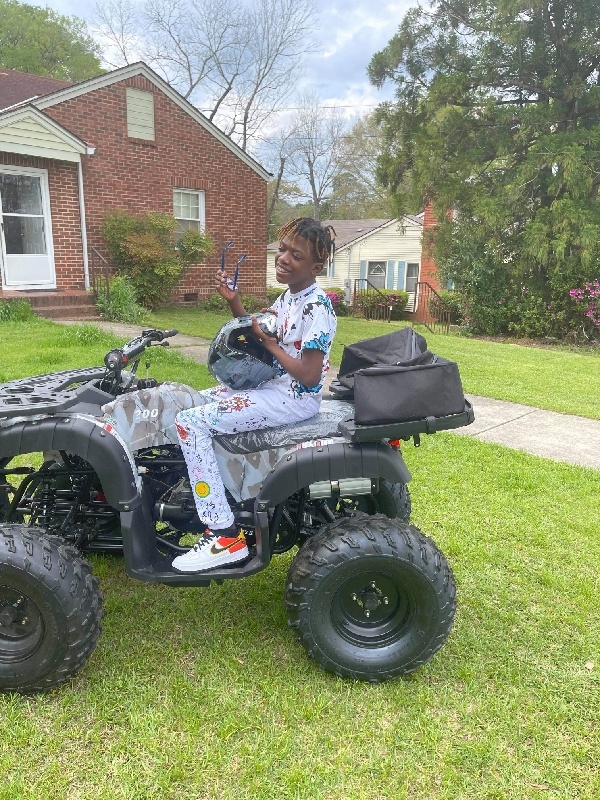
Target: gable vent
<point x="140" y="114"/>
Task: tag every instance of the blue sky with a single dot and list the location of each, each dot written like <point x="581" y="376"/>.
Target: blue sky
<point x="351" y="31"/>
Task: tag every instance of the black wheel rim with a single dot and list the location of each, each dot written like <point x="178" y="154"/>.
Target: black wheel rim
<point x="371" y="609"/>
<point x="21" y="626"/>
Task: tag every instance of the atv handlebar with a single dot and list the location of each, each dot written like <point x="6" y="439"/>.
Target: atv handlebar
<point x="152" y="336"/>
<point x="119" y="358"/>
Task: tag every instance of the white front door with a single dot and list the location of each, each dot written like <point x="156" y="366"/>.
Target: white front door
<point x="26" y="254"/>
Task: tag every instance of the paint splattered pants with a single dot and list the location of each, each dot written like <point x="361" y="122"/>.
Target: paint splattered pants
<point x="227" y="411"/>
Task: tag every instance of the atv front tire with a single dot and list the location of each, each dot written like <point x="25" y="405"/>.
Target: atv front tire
<point x="370" y="598"/>
<point x="50" y="610"/>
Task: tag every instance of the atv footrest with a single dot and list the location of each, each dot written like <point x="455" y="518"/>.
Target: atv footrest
<point x="163" y="572"/>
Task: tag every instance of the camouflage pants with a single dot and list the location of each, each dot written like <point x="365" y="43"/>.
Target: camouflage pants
<point x="227" y="411"/>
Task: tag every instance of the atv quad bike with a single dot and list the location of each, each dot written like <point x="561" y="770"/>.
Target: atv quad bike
<point x="368" y="595"/>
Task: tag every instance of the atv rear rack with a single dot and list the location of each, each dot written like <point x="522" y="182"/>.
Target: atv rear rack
<point x="405" y="429"/>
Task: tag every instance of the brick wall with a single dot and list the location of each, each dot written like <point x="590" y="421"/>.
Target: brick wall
<point x="429" y="271"/>
<point x="140" y="176"/>
<point x="64" y="210"/>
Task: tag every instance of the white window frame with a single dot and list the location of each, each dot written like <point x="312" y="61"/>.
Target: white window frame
<point x="50" y="282"/>
<point x="187" y="222"/>
<point x="408" y="277"/>
<point x="378" y="262"/>
<point x="413" y="299"/>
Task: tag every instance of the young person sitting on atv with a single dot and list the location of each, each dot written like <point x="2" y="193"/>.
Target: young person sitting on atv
<point x="306" y="324"/>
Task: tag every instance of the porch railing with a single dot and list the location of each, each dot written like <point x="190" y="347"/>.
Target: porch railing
<point x="100" y="273"/>
<point x="368" y="301"/>
<point x="429" y="309"/>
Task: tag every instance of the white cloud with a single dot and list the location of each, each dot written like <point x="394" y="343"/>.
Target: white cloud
<point x="351" y="32"/>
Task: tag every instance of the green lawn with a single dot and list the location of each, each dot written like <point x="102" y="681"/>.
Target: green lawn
<point x="40" y="346"/>
<point x="557" y="380"/>
<point x="198" y="694"/>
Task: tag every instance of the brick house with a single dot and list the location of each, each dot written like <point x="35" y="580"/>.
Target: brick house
<point x="70" y="153"/>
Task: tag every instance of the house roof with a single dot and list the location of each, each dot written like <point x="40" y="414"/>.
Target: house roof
<point x="18" y="87"/>
<point x="60" y="91"/>
<point x="349" y="231"/>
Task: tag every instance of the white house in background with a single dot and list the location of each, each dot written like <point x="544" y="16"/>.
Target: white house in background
<point x="387" y="252"/>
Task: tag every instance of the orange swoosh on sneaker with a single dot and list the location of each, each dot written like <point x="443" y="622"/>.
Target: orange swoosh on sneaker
<point x="215" y="549"/>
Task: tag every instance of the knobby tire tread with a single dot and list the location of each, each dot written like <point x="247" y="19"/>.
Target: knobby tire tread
<point x="61" y="571"/>
<point x="347" y="540"/>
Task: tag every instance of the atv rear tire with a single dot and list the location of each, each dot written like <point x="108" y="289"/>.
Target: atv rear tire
<point x="370" y="598"/>
<point x="392" y="499"/>
<point x="50" y="610"/>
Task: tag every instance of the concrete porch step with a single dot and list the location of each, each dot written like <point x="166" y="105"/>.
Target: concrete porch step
<point x="68" y="312"/>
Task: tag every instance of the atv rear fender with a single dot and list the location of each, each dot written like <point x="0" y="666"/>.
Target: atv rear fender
<point x="331" y="462"/>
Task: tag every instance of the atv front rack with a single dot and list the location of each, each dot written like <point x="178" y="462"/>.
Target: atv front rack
<point x="405" y="429"/>
<point x="51" y="394"/>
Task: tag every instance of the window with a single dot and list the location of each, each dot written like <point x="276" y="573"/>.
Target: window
<point x="188" y="208"/>
<point x="376" y="271"/>
<point x="140" y="114"/>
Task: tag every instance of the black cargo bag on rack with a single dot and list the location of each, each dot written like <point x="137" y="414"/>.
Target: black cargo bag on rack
<point x="395" y="377"/>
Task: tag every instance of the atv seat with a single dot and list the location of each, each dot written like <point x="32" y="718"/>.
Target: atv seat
<point x="325" y="425"/>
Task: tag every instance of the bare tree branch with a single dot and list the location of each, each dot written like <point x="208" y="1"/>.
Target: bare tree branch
<point x="237" y="63"/>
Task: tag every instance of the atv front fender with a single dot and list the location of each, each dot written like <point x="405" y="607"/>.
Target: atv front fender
<point x="331" y="462"/>
<point x="84" y="438"/>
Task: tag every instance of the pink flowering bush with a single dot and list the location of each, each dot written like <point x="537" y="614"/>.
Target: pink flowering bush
<point x="589" y="300"/>
<point x="337" y="297"/>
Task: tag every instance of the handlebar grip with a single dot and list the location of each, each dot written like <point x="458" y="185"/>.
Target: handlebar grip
<point x="154" y="335"/>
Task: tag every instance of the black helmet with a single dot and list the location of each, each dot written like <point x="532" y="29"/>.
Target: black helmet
<point x="237" y="359"/>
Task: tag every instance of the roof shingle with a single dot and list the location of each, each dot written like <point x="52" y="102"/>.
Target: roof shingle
<point x="18" y="87"/>
<point x="347" y="230"/>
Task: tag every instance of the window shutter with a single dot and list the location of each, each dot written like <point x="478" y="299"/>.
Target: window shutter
<point x="401" y="274"/>
<point x="389" y="281"/>
<point x="363" y="273"/>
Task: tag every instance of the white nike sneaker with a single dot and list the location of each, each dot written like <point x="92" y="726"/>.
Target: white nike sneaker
<point x="214" y="549"/>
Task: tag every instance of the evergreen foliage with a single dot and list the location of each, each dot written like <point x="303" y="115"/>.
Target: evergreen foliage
<point x="497" y="119"/>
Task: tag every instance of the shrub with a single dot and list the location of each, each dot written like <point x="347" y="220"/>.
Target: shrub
<point x="273" y="293"/>
<point x="338" y="301"/>
<point x="253" y="304"/>
<point x="588" y="301"/>
<point x="217" y="304"/>
<point x="120" y="303"/>
<point x="214" y="303"/>
<point x="453" y="300"/>
<point x="15" y="311"/>
<point x="147" y="250"/>
<point x="375" y="305"/>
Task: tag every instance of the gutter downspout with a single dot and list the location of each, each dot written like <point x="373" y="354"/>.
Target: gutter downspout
<point x="348" y="282"/>
<point x="84" y="242"/>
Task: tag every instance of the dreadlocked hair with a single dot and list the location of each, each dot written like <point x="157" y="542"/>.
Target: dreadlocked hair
<point x="321" y="238"/>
